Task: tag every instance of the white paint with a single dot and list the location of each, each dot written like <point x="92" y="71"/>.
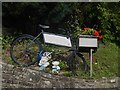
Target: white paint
<point x="57" y="39"/>
<point x="88" y="42"/>
<point x="91" y="62"/>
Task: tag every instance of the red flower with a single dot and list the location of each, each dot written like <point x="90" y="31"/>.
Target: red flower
<point x="100" y="37"/>
<point x="84" y="28"/>
<point x="96" y="33"/>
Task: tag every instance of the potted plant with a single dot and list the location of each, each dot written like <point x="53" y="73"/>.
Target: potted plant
<point x="88" y="39"/>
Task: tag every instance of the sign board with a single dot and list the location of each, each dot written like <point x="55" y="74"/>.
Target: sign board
<point x="57" y="39"/>
<point x="88" y="41"/>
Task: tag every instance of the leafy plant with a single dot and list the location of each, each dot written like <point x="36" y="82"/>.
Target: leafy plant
<point x="88" y="32"/>
<point x="63" y="65"/>
<point x="6" y="40"/>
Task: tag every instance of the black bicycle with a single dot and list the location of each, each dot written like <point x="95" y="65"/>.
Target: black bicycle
<point x="26" y="49"/>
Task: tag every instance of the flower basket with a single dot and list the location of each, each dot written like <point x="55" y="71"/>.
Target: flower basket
<point x="87" y="40"/>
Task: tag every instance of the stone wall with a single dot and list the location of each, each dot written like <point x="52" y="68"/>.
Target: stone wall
<point x="31" y="77"/>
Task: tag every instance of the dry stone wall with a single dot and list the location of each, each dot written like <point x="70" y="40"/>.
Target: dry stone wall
<point x="31" y="77"/>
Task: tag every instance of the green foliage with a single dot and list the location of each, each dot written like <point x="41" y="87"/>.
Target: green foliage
<point x="107" y="61"/>
<point x="109" y="20"/>
<point x="68" y="74"/>
<point x="74" y="16"/>
<point x="88" y="32"/>
<point x="6" y="40"/>
<point x="105" y="15"/>
<point x="63" y="65"/>
<point x="59" y="12"/>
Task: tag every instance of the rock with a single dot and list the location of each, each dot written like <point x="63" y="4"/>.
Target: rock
<point x="48" y="84"/>
<point x="112" y="80"/>
<point x="30" y="79"/>
<point x="18" y="77"/>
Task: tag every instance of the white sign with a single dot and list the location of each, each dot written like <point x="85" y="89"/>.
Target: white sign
<point x="57" y="39"/>
<point x="88" y="42"/>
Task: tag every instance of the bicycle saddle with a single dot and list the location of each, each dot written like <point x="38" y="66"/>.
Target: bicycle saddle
<point x="44" y="26"/>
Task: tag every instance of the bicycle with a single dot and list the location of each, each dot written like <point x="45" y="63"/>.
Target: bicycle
<point x="26" y="50"/>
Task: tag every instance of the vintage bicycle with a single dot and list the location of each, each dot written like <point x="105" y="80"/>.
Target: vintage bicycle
<point x="26" y="49"/>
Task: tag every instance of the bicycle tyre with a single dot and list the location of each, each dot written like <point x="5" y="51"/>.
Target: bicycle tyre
<point x="76" y="62"/>
<point x="20" y="55"/>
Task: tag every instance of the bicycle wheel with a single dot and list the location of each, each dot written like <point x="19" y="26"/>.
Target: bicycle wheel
<point x="24" y="50"/>
<point x="77" y="63"/>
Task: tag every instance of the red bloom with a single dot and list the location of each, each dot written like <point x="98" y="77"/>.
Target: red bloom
<point x="96" y="33"/>
<point x="100" y="37"/>
<point x="84" y="28"/>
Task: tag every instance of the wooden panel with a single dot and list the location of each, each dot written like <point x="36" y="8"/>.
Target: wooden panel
<point x="87" y="41"/>
<point x="57" y="39"/>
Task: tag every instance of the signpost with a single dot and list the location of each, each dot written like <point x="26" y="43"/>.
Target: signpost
<point x="91" y="62"/>
<point x="88" y="42"/>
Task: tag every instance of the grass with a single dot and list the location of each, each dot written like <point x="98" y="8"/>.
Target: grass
<point x="105" y="60"/>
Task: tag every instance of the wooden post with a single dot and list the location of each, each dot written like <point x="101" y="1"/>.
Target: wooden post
<point x="91" y="62"/>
